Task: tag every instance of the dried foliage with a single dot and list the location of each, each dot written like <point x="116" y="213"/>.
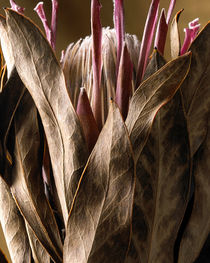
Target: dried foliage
<point x="135" y="190"/>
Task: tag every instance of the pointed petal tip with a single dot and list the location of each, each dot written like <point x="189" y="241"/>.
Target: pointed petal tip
<point x="38" y="6"/>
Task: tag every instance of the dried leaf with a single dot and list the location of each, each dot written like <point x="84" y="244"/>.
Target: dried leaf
<point x="152" y="94"/>
<point x="6" y="46"/>
<point x="10" y="98"/>
<point x="27" y="185"/>
<point x="43" y="77"/>
<point x="175" y="37"/>
<point x="195" y="90"/>
<point x="162" y="183"/>
<point x="99" y="224"/>
<point x="13" y="226"/>
<point x="40" y="255"/>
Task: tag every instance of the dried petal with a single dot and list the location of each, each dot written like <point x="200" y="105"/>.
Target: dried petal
<point x="161" y="33"/>
<point x="96" y="58"/>
<point x="16" y="7"/>
<point x="175" y="37"/>
<point x="170" y="10"/>
<point x="119" y="28"/>
<point x="87" y="120"/>
<point x="54" y="22"/>
<point x="41" y="13"/>
<point x="123" y="91"/>
<point x="147" y="38"/>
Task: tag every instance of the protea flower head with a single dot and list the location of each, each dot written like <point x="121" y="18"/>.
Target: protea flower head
<point x="104" y="155"/>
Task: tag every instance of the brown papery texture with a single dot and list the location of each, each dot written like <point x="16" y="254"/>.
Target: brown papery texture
<point x="27" y="186"/>
<point x="102" y="209"/>
<point x="36" y="64"/>
<point x="196" y="100"/>
<point x="175" y="36"/>
<point x="162" y="182"/>
<point x="13" y="226"/>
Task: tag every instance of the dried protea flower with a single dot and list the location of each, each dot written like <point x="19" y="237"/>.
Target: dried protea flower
<point x="104" y="156"/>
<point x="77" y="66"/>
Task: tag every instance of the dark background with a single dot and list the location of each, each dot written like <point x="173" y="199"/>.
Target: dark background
<point x="74" y="20"/>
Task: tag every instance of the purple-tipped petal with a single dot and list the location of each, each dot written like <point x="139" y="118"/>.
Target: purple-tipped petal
<point x="190" y="35"/>
<point x="187" y="41"/>
<point x="124" y="82"/>
<point x="87" y="119"/>
<point x="147" y="38"/>
<point x="119" y="27"/>
<point x="195" y="27"/>
<point x="96" y="29"/>
<point x="54" y="22"/>
<point x="16" y="7"/>
<point x="161" y="33"/>
<point x="41" y="13"/>
<point x="170" y="10"/>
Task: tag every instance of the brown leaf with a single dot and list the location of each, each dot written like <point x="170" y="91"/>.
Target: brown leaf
<point x="99" y="223"/>
<point x="175" y="36"/>
<point x="43" y="77"/>
<point x="10" y="98"/>
<point x="27" y="185"/>
<point x="6" y="46"/>
<point x="152" y="94"/>
<point x="162" y="183"/>
<point x="196" y="99"/>
<point x="13" y="226"/>
<point x="40" y="255"/>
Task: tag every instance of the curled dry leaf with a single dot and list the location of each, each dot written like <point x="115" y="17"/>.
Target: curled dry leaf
<point x="27" y="185"/>
<point x="43" y="77"/>
<point x="162" y="182"/>
<point x="99" y="224"/>
<point x="10" y="98"/>
<point x="152" y="94"/>
<point x="175" y="37"/>
<point x="196" y="100"/>
<point x="39" y="253"/>
<point x="13" y="226"/>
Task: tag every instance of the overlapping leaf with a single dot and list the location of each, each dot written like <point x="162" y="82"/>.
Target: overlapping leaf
<point x="13" y="226"/>
<point x="152" y="94"/>
<point x="6" y="46"/>
<point x="162" y="182"/>
<point x="100" y="220"/>
<point x="10" y="98"/>
<point x="27" y="186"/>
<point x="43" y="77"/>
<point x="39" y="253"/>
<point x="196" y="98"/>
